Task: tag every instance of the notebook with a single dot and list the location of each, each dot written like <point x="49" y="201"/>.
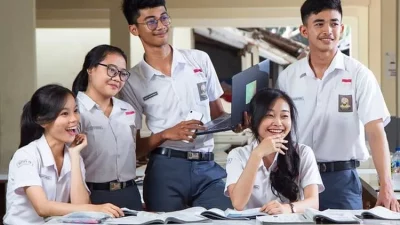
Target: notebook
<point x="143" y="217"/>
<point x="378" y="212"/>
<point x="228" y="214"/>
<point x="310" y="216"/>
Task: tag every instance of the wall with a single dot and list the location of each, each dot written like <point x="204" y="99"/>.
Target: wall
<point x="61" y="52"/>
<point x="18" y="71"/>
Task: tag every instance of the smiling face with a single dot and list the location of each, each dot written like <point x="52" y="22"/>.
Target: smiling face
<point x="65" y="127"/>
<point x="99" y="80"/>
<point x="157" y="37"/>
<point x="323" y="30"/>
<point x="277" y="121"/>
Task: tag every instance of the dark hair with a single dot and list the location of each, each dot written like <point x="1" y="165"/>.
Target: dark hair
<point x="43" y="108"/>
<point x="92" y="59"/>
<point x="316" y="6"/>
<point x="284" y="177"/>
<point x="131" y="8"/>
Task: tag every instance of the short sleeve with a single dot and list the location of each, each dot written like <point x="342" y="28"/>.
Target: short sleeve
<point x="369" y="99"/>
<point x="214" y="89"/>
<point x="280" y="83"/>
<point x="83" y="172"/>
<point x="309" y="173"/>
<point x="234" y="168"/>
<point x="128" y="95"/>
<point x="23" y="172"/>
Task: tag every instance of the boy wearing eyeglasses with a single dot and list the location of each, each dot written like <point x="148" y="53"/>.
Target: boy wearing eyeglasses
<point x="165" y="86"/>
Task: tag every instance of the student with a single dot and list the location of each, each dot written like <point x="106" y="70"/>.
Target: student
<point x="44" y="174"/>
<point x="165" y="86"/>
<point x="339" y="101"/>
<point x="109" y="124"/>
<point x="273" y="172"/>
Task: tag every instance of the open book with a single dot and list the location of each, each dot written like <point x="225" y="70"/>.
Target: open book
<point x="378" y="212"/>
<point x="229" y="214"/>
<point x="310" y="216"/>
<point x="156" y="218"/>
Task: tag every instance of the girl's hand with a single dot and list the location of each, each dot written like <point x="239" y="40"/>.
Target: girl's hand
<point x="78" y="144"/>
<point x="275" y="207"/>
<point x="270" y="145"/>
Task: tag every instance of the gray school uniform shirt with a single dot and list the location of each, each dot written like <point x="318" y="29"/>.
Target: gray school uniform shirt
<point x="111" y="151"/>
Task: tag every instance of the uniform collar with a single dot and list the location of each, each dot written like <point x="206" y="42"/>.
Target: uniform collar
<point x="337" y="63"/>
<point x="47" y="155"/>
<point x="149" y="72"/>
<point x="88" y="103"/>
<point x="254" y="145"/>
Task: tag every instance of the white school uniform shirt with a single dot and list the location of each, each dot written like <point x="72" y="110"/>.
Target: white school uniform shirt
<point x="33" y="165"/>
<point x="167" y="100"/>
<point x="332" y="111"/>
<point x="262" y="192"/>
<point x="111" y="151"/>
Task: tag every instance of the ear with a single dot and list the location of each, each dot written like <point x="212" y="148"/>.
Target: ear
<point x="341" y="28"/>
<point x="133" y="29"/>
<point x="44" y="126"/>
<point x="89" y="72"/>
<point x="303" y="31"/>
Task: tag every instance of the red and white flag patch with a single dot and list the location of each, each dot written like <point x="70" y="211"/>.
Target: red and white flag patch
<point x="129" y="112"/>
<point x="346" y="80"/>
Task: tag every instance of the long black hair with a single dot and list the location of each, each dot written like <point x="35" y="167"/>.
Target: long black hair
<point x="92" y="59"/>
<point x="284" y="177"/>
<point x="43" y="108"/>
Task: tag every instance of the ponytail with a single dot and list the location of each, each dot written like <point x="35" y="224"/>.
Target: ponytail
<point x="81" y="82"/>
<point x="30" y="130"/>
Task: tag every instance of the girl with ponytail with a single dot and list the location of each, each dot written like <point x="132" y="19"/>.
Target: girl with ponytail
<point x="274" y="172"/>
<point x="109" y="123"/>
<point x="46" y="174"/>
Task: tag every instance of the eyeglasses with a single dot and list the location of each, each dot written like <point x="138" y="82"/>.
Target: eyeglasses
<point x="112" y="71"/>
<point x="152" y="24"/>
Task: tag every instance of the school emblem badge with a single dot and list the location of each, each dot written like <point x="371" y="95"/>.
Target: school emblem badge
<point x="345" y="103"/>
<point x="202" y="89"/>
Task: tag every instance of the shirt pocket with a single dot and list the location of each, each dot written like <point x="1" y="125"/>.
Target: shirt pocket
<point x="49" y="183"/>
<point x="156" y="103"/>
<point x="96" y="135"/>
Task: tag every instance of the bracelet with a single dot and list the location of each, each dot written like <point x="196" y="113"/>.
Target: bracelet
<point x="292" y="208"/>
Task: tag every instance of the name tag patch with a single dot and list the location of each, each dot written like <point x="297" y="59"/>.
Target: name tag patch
<point x="147" y="97"/>
<point x="46" y="177"/>
<point x="129" y="113"/>
<point x="345" y="103"/>
<point x="298" y="98"/>
<point x="90" y="128"/>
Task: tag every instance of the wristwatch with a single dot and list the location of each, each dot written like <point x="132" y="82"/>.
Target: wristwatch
<point x="292" y="208"/>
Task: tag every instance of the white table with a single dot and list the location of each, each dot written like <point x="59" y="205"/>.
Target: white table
<point x="369" y="178"/>
<point x="214" y="222"/>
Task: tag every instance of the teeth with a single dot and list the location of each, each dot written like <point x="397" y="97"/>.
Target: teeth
<point x="275" y="131"/>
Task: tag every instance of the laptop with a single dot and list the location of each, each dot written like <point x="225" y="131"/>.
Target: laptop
<point x="244" y="86"/>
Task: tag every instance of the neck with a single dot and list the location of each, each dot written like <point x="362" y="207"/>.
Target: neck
<point x="57" y="147"/>
<point x="158" y="57"/>
<point x="100" y="100"/>
<point x="269" y="159"/>
<point x="320" y="61"/>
